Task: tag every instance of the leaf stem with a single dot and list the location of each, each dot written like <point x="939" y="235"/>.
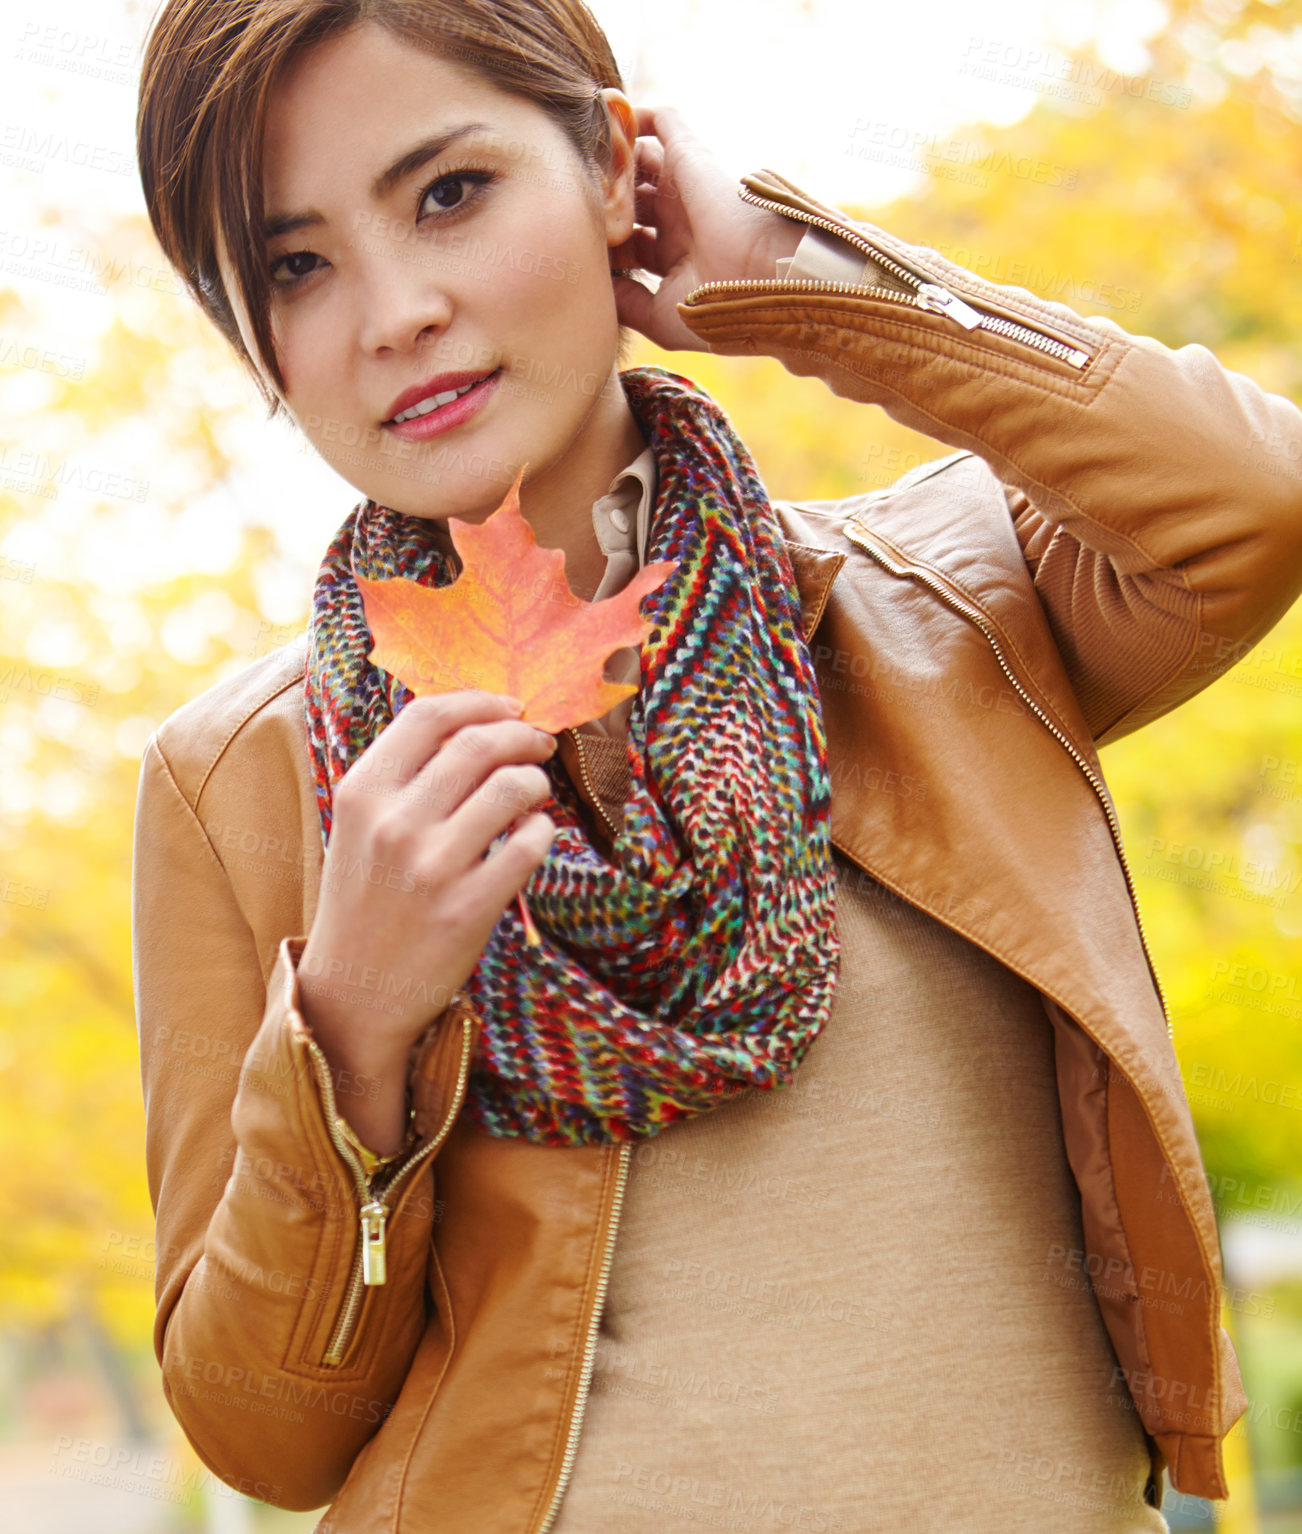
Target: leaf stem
<point x="531" y="934"/>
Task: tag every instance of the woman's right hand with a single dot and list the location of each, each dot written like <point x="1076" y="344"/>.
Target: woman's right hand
<point x="691" y="227"/>
<point x="408" y="901"/>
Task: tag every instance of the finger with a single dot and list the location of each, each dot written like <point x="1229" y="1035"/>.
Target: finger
<point x="500" y="877"/>
<point x="663" y="121"/>
<point x="467" y="759"/>
<point x="647" y="204"/>
<point x="652" y="204"/>
<point x="511" y="793"/>
<point x="658" y="208"/>
<point x="667" y="132"/>
<point x="640" y="252"/>
<point x="402" y="748"/>
<point x="655" y="316"/>
<point x="634" y="305"/>
<point x="650" y="159"/>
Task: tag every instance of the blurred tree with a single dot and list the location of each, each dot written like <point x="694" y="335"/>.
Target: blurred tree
<point x="90" y="660"/>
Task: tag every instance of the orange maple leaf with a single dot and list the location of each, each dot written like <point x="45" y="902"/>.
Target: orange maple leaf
<point x="509" y="623"/>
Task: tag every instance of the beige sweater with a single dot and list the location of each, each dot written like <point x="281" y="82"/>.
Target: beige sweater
<point x="835" y="1307"/>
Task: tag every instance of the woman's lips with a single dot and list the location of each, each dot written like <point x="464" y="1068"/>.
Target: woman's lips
<point x="455" y="413"/>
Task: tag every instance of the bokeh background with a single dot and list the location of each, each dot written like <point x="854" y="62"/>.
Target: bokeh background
<point x="1141" y="161"/>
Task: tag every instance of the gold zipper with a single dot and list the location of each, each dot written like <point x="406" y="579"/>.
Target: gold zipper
<point x="587" y="778"/>
<point x="978" y="618"/>
<point x="930" y="296"/>
<point x="375" y="1196"/>
<point x="625" y="1155"/>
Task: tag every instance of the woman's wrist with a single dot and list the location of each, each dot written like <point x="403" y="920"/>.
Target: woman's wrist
<point x="778" y="242"/>
<point x="370" y="1084"/>
<point x="373" y="1161"/>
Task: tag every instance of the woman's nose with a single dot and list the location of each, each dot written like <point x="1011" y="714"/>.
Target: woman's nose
<point x="403" y="295"/>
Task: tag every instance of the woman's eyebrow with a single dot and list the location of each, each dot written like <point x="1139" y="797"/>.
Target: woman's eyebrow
<point x="408" y="161"/>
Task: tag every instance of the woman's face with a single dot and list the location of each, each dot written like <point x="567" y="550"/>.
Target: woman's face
<point x="444" y="232"/>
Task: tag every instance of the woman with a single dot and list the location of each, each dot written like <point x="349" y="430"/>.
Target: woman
<point x="849" y="840"/>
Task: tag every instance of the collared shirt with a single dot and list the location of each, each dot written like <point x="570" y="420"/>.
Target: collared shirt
<point x="621" y="519"/>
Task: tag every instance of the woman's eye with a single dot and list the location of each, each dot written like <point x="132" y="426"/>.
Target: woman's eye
<point x="287" y="264"/>
<point x="449" y="191"/>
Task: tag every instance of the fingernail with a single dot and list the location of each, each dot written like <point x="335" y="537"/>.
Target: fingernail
<point x="514" y="704"/>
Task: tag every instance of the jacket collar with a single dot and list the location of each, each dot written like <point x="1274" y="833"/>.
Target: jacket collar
<point x="815" y="569"/>
<point x="957" y="539"/>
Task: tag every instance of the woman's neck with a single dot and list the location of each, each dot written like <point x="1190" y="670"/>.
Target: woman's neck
<point x="558" y="504"/>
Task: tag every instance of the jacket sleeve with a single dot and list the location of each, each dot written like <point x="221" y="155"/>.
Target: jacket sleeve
<point x="1156" y="495"/>
<point x="256" y="1210"/>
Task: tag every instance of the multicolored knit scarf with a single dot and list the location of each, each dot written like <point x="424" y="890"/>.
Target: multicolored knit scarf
<point x="702" y="959"/>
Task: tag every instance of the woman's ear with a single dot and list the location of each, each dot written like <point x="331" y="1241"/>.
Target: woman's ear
<point x="620" y="181"/>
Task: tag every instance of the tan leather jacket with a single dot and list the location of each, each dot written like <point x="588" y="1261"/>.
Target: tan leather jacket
<point x="1112" y="534"/>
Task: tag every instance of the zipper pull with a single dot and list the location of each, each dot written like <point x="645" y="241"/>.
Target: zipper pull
<point x="373" y="1216"/>
<point x="941" y="301"/>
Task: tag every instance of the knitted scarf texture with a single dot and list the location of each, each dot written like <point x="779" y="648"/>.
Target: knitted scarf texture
<point x="701" y="959"/>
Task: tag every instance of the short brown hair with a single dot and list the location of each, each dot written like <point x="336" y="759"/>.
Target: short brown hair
<point x="208" y="72"/>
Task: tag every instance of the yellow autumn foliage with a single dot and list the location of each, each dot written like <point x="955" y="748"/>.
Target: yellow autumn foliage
<point x="1179" y="221"/>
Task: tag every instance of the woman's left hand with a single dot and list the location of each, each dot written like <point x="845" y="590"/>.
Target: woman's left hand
<point x="693" y="228"/>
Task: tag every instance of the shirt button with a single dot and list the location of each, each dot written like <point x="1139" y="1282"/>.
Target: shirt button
<point x="619" y="518"/>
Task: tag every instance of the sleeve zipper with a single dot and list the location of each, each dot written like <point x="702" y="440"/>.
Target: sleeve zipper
<point x="927" y="295"/>
<point x="376" y="1196"/>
